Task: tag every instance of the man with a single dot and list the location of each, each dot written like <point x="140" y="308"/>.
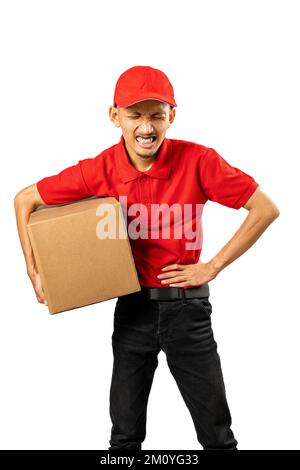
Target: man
<point x="172" y="312"/>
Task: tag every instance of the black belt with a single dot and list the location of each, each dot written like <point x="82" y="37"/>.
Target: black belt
<point x="175" y="293"/>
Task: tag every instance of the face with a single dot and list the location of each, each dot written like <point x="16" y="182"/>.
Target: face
<point x="144" y="126"/>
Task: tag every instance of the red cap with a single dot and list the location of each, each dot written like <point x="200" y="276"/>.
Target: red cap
<point x="143" y="83"/>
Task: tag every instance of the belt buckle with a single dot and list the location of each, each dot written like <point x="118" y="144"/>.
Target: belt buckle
<point x="180" y="292"/>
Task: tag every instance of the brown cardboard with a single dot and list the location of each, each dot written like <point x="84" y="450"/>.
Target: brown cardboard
<point x="78" y="268"/>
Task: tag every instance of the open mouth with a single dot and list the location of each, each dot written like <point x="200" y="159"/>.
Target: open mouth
<point x="146" y="141"/>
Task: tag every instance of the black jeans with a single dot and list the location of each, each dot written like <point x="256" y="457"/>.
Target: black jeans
<point x="182" y="329"/>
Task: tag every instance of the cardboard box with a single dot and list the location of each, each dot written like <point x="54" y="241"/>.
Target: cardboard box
<point x="77" y="267"/>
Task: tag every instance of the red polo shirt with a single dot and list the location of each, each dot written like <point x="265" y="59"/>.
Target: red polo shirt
<point x="183" y="176"/>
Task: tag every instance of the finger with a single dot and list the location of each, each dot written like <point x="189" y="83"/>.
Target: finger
<point x="40" y="295"/>
<point x="39" y="289"/>
<point x="180" y="284"/>
<point x="41" y="300"/>
<point x="168" y="275"/>
<point x="173" y="266"/>
<point x="174" y="279"/>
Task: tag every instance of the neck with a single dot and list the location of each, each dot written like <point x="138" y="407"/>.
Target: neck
<point x="140" y="163"/>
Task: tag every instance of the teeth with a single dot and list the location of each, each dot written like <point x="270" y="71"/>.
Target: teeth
<point x="145" y="141"/>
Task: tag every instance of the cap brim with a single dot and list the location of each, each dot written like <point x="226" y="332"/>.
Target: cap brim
<point x="126" y="104"/>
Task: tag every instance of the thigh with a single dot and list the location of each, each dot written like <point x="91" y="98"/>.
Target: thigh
<point x="135" y="323"/>
<point x="195" y="364"/>
<point x="135" y="360"/>
<point x="192" y="351"/>
<point x="191" y="330"/>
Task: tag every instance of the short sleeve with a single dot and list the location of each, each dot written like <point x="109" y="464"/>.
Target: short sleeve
<point x="67" y="186"/>
<point x="224" y="183"/>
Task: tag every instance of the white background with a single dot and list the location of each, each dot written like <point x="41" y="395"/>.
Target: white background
<point x="234" y="66"/>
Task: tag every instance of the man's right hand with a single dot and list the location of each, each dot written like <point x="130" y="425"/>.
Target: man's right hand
<point x="25" y="202"/>
<point x="37" y="285"/>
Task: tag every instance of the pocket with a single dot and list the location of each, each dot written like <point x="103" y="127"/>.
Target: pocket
<point x="125" y="305"/>
<point x="203" y="303"/>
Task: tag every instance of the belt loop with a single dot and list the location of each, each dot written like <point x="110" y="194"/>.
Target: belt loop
<point x="183" y="293"/>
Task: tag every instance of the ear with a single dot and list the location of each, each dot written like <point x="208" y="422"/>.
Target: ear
<point x="172" y="116"/>
<point x="113" y="113"/>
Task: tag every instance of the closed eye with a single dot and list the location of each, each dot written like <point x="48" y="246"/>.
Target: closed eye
<point x="136" y="116"/>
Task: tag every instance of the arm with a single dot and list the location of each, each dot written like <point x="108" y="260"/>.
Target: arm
<point x="25" y="202"/>
<point x="262" y="212"/>
<point x="67" y="186"/>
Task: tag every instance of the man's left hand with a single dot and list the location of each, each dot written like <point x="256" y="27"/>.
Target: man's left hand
<point x="187" y="275"/>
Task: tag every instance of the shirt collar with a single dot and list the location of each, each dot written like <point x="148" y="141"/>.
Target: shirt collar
<point x="160" y="167"/>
